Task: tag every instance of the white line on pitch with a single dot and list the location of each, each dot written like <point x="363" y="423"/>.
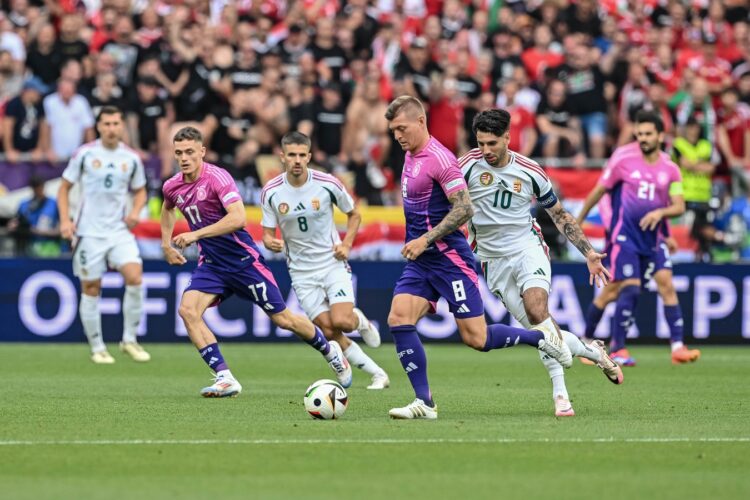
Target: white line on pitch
<point x="129" y="442"/>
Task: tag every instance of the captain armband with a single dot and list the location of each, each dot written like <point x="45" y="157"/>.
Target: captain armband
<point x="547" y="200"/>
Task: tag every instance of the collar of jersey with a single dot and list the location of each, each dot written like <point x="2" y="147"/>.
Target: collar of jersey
<point x="303" y="186"/>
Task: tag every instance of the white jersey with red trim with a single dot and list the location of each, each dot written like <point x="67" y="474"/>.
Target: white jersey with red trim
<point x="305" y="217"/>
<point x="106" y="177"/>
<point x="502" y="224"/>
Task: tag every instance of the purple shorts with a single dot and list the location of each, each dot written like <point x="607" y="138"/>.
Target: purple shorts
<point x="449" y="276"/>
<point x="254" y="283"/>
<point x="626" y="263"/>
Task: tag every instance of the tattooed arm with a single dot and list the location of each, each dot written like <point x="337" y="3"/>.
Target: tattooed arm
<point x="568" y="226"/>
<point x="459" y="215"/>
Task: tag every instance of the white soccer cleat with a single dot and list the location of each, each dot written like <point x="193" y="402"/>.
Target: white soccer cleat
<point x="563" y="408"/>
<point x="379" y="381"/>
<point x="553" y="345"/>
<point x="102" y="358"/>
<point x="414" y="410"/>
<point x="223" y="387"/>
<point x="369" y="333"/>
<point x="340" y="365"/>
<point x="608" y="366"/>
<point x="135" y="351"/>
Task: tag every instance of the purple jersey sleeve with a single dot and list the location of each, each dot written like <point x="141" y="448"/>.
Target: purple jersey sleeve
<point x="612" y="173"/>
<point x="448" y="175"/>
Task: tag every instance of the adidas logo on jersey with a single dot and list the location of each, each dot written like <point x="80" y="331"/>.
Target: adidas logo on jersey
<point x="464" y="309"/>
<point x="340" y="293"/>
<point x="635" y="175"/>
<point x="180" y="200"/>
<point x="540" y="272"/>
<point x="299" y="207"/>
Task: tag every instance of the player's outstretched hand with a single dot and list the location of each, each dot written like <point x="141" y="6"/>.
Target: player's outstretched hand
<point x="131" y="220"/>
<point x="341" y="251"/>
<point x="67" y="229"/>
<point x="184" y="240"/>
<point x="174" y="257"/>
<point x="414" y="248"/>
<point x="598" y="273"/>
<point x="651" y="220"/>
<point x="275" y="245"/>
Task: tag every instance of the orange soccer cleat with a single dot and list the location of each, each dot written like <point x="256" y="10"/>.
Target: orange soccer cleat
<point x="684" y="355"/>
<point x="622" y="357"/>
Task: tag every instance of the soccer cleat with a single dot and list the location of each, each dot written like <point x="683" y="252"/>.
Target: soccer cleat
<point x="608" y="366"/>
<point x="379" y="381"/>
<point x="102" y="358"/>
<point x="340" y="365"/>
<point x="222" y="387"/>
<point x="685" y="355"/>
<point x="369" y="333"/>
<point x="622" y="357"/>
<point x="586" y="361"/>
<point x="414" y="410"/>
<point x="563" y="408"/>
<point x="553" y="345"/>
<point x="135" y="351"/>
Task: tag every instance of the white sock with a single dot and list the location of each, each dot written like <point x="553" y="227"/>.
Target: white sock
<point x="132" y="306"/>
<point x="92" y="322"/>
<point x="556" y="374"/>
<point x="363" y="321"/>
<point x="358" y="358"/>
<point x="677" y="345"/>
<point x="579" y="348"/>
<point x="225" y="374"/>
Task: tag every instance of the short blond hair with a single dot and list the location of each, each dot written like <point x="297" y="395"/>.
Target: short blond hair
<point x="402" y="103"/>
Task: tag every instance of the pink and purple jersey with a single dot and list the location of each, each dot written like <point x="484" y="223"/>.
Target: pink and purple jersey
<point x="429" y="177"/>
<point x="636" y="188"/>
<point x="203" y="203"/>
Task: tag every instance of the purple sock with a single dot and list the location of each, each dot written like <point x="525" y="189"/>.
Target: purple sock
<point x="593" y="317"/>
<point x="413" y="359"/>
<point x="501" y="336"/>
<point x="624" y="318"/>
<point x="319" y="342"/>
<point x="213" y="358"/>
<point x="673" y="315"/>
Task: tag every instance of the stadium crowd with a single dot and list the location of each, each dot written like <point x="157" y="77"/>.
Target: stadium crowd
<point x="572" y="73"/>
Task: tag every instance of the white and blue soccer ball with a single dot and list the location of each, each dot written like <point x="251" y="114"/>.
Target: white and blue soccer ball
<point x="326" y="400"/>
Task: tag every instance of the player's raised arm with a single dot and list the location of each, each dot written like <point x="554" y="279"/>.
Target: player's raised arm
<point x="233" y="221"/>
<point x="168" y="220"/>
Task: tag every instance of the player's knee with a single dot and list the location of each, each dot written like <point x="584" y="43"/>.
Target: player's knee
<point x="537" y="314"/>
<point x="189" y="314"/>
<point x="395" y="319"/>
<point x="344" y="323"/>
<point x="475" y="341"/>
<point x="92" y="289"/>
<point x="284" y="321"/>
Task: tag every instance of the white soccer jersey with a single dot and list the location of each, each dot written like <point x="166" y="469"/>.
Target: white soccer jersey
<point x="305" y="217"/>
<point x="106" y="177"/>
<point x="502" y="223"/>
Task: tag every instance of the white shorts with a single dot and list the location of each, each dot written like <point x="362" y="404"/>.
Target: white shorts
<point x="92" y="255"/>
<point x="317" y="291"/>
<point x="508" y="277"/>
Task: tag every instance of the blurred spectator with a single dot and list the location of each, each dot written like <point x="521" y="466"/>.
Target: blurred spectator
<point x="445" y="119"/>
<point x="69" y="43"/>
<point x="415" y="71"/>
<point x="696" y="104"/>
<point x="733" y="138"/>
<point x="106" y="93"/>
<point x="325" y="49"/>
<point x="11" y="80"/>
<point x="709" y="66"/>
<point x="36" y="226"/>
<point x="560" y="131"/>
<point x="694" y="156"/>
<point x="246" y="72"/>
<point x="525" y="97"/>
<point x="234" y="122"/>
<point x="330" y="115"/>
<point x="271" y="112"/>
<point x="523" y="135"/>
<point x="633" y="97"/>
<point x="662" y="68"/>
<point x="149" y="121"/>
<point x="11" y="43"/>
<point x="506" y="58"/>
<point x="70" y="120"/>
<point x="585" y="83"/>
<point x="44" y="58"/>
<point x="301" y="106"/>
<point x="24" y="126"/>
<point x="123" y="50"/>
<point x="538" y="58"/>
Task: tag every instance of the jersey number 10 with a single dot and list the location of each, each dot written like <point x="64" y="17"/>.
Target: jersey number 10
<point x="504" y="199"/>
<point x="646" y="190"/>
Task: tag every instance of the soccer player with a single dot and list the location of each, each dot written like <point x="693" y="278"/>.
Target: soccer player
<point x="509" y="244"/>
<point x="645" y="187"/>
<point x="300" y="202"/>
<point x="229" y="261"/>
<point x="107" y="170"/>
<point x="440" y="262"/>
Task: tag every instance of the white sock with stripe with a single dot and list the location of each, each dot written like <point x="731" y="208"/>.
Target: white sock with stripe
<point x="92" y="322"/>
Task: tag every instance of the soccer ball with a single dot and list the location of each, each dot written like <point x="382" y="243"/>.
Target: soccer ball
<point x="326" y="400"/>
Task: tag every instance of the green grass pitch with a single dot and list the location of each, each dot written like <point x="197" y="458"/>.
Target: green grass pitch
<point x="70" y="429"/>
